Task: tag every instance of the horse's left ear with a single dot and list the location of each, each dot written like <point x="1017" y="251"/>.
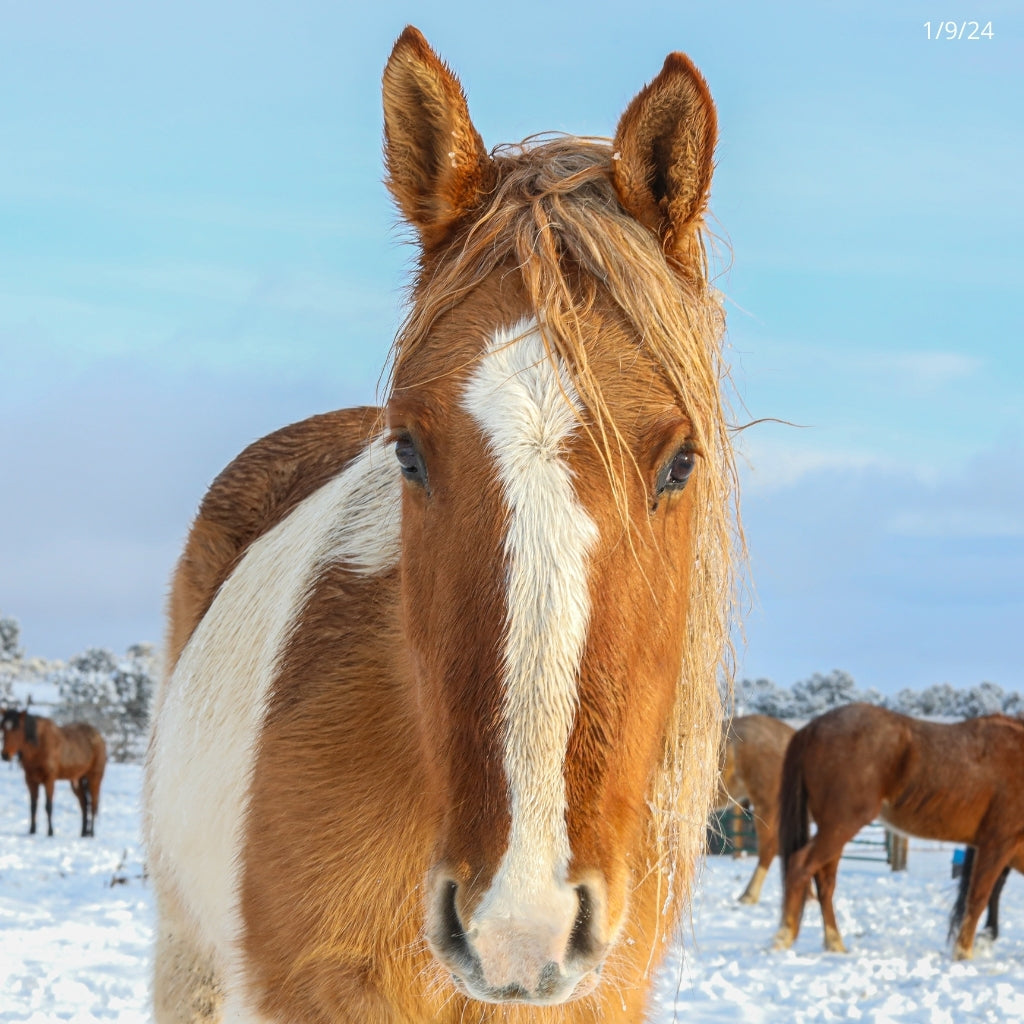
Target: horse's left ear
<point x="664" y="154"/>
<point x="436" y="161"/>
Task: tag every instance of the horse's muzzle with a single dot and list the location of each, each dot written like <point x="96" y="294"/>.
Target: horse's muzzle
<point x="545" y="958"/>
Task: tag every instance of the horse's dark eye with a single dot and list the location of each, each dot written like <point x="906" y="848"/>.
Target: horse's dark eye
<point x="410" y="461"/>
<point x="674" y="476"/>
<point x="680" y="469"/>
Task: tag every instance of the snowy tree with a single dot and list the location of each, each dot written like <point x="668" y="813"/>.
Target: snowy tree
<point x="907" y="702"/>
<point x="1013" y="704"/>
<point x="983" y="699"/>
<point x="762" y="697"/>
<point x="112" y="694"/>
<point x="811" y="697"/>
<point x="10" y="637"/>
<point x="938" y="701"/>
<point x="135" y="682"/>
<point x="86" y="689"/>
<point x="821" y="693"/>
<point x="95" y="659"/>
<point x="872" y="696"/>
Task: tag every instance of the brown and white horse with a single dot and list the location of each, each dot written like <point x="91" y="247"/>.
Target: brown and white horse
<point x="49" y="752"/>
<point x="753" y="749"/>
<point x="440" y="724"/>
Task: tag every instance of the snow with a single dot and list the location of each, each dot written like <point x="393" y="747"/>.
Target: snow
<point x="898" y="968"/>
<point x="74" y="947"/>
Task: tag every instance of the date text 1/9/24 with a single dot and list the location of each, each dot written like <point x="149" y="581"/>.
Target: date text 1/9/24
<point x="958" y="30"/>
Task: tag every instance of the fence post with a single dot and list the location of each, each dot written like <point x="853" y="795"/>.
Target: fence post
<point x="896" y="846"/>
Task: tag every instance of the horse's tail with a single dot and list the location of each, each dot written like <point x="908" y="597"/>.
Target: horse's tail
<point x="794" y="817"/>
<point x="956" y="915"/>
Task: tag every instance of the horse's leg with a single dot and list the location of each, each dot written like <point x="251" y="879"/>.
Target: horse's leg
<point x="825" y="846"/>
<point x="825" y="880"/>
<point x="767" y="848"/>
<point x="989" y="860"/>
<point x="48" y="789"/>
<point x="33" y="803"/>
<point x="991" y="926"/>
<point x="794" y="895"/>
<point x="95" y="779"/>
<point x="81" y="790"/>
<point x="186" y="989"/>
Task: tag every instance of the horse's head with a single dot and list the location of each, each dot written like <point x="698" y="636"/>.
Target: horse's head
<point x="566" y="520"/>
<point x="14" y="733"/>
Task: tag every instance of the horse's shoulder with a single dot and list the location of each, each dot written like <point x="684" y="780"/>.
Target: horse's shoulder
<point x="255" y="492"/>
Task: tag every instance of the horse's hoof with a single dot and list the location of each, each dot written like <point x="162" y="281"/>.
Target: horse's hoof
<point x="783" y="940"/>
<point x="748" y="899"/>
<point x="960" y="953"/>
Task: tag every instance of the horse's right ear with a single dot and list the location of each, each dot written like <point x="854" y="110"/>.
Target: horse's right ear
<point x="664" y="154"/>
<point x="436" y="162"/>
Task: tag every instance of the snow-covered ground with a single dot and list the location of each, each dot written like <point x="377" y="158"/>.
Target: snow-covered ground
<point x="75" y="947"/>
<point x="898" y="968"/>
<point x="76" y="918"/>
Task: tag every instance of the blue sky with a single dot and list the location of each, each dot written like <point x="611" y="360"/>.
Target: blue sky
<point x="195" y="248"/>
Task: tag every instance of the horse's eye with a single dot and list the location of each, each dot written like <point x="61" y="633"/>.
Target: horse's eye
<point x="410" y="461"/>
<point x="674" y="476"/>
<point x="680" y="469"/>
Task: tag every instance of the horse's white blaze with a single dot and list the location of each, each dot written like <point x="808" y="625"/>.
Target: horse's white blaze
<point x="526" y="408"/>
<point x="206" y="734"/>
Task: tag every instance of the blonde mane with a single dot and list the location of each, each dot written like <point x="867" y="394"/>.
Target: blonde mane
<point x="554" y="215"/>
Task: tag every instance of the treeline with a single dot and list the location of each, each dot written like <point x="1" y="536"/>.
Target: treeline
<point x="113" y="693"/>
<point x="810" y="697"/>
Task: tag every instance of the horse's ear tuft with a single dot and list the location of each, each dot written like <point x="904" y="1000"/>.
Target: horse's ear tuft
<point x="436" y="162"/>
<point x="31" y="733"/>
<point x="664" y="154"/>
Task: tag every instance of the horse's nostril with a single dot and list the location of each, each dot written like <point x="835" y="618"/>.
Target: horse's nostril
<point x="452" y="937"/>
<point x="582" y="942"/>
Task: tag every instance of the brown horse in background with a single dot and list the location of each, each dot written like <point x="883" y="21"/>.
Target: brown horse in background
<point x="960" y="783"/>
<point x="753" y="750"/>
<point x="48" y="752"/>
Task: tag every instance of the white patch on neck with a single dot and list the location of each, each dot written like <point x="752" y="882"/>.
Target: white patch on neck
<point x="208" y="726"/>
<point x="526" y="408"/>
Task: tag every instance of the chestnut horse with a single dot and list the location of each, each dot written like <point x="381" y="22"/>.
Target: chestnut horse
<point x="962" y="783"/>
<point x="439" y="733"/>
<point x="48" y="752"/>
<point x="753" y="749"/>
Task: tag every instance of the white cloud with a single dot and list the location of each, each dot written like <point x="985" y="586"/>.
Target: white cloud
<point x="768" y="466"/>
